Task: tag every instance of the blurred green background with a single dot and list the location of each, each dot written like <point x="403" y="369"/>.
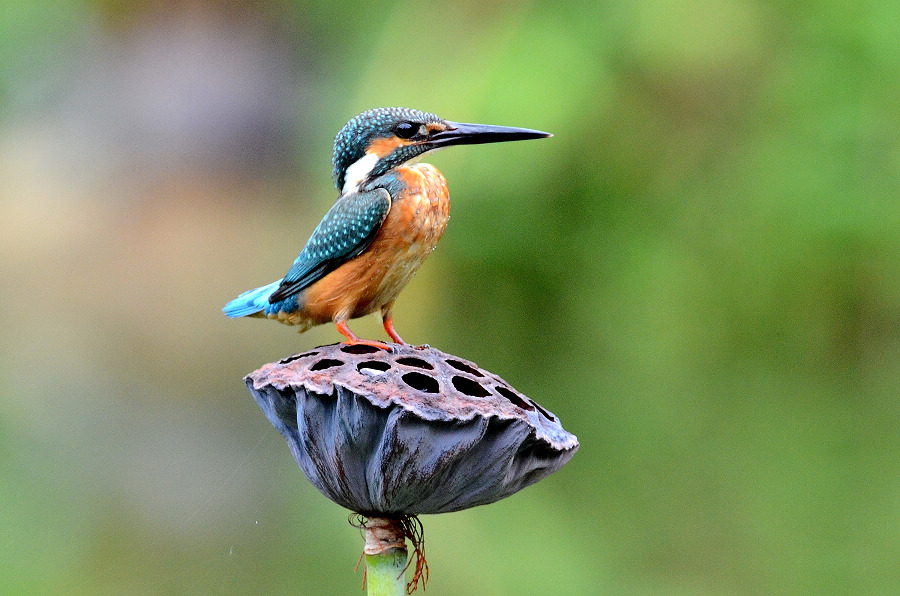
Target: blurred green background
<point x="699" y="274"/>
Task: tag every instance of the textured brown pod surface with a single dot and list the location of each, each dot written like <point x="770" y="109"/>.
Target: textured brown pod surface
<point x="409" y="431"/>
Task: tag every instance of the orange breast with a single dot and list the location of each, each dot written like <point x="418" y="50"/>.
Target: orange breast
<point x="415" y="223"/>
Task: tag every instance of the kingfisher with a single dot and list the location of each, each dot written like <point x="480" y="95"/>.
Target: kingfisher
<point x="389" y="216"/>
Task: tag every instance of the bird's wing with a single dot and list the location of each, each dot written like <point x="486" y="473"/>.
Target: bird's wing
<point x="346" y="231"/>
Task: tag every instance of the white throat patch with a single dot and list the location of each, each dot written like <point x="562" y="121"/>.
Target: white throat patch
<point x="358" y="172"/>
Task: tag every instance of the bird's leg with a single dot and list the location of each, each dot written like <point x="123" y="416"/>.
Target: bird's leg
<point x="387" y="320"/>
<point x="355" y="340"/>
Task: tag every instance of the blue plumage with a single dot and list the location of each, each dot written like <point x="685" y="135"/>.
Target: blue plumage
<point x="345" y="231"/>
<point x="251" y="301"/>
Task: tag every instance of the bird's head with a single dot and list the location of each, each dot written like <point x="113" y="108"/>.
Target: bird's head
<point x="378" y="140"/>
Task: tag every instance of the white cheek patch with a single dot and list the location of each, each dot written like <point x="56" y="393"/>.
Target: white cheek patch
<point x="358" y="172"/>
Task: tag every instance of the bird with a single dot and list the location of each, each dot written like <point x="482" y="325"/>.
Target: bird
<point x="388" y="217"/>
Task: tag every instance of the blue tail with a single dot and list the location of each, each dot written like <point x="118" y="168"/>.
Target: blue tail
<point x="251" y="301"/>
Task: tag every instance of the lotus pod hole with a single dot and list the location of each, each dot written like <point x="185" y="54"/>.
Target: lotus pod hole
<point x="297" y="357"/>
<point x="326" y="363"/>
<point x="409" y="431"/>
<point x="415" y="362"/>
<point x="373" y="366"/>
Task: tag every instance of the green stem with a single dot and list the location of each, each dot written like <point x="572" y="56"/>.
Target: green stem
<point x="385" y="557"/>
<point x="384" y="574"/>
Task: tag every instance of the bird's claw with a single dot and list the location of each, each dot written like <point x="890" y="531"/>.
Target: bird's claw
<point x="371" y="343"/>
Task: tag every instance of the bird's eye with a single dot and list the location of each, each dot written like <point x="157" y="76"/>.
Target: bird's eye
<point x="406" y="130"/>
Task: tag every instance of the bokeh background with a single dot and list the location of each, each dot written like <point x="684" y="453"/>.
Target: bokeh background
<point x="699" y="274"/>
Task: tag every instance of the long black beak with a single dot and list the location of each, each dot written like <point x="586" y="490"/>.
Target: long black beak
<point x="460" y="133"/>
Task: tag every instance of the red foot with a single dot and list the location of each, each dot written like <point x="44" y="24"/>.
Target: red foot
<point x="389" y="327"/>
<point x="355" y="340"/>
